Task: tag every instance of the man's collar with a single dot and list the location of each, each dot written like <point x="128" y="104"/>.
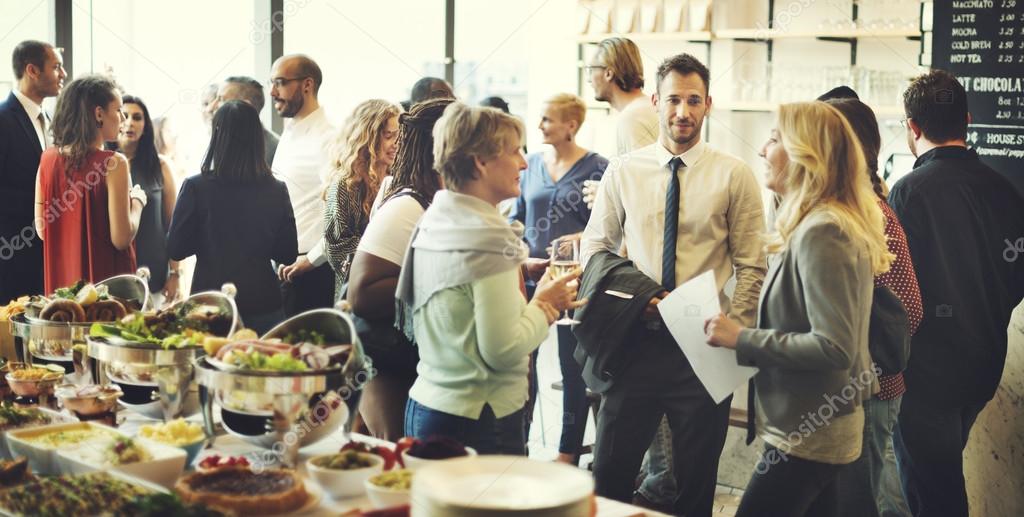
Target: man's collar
<point x="309" y="121"/>
<point x="955" y="152"/>
<point x="689" y="157"/>
<point x="30" y="105"/>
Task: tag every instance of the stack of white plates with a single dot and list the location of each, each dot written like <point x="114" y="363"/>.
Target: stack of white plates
<point x="486" y="486"/>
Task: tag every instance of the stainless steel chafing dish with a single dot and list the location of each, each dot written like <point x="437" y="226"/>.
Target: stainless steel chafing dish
<point x="155" y="381"/>
<point x="284" y="411"/>
<point x="53" y="341"/>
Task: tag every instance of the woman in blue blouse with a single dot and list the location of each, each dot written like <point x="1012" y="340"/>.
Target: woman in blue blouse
<point x="551" y="206"/>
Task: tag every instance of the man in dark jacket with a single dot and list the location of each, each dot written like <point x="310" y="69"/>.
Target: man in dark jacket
<point x="618" y="294"/>
<point x="959" y="216"/>
<point x="24" y="134"/>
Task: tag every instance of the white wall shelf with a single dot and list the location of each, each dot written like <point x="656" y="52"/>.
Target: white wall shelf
<point x="700" y="36"/>
<point x="755" y="34"/>
<point x="774" y="34"/>
<point x="768" y="107"/>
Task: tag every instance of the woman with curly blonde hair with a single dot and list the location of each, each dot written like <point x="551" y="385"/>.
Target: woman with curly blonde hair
<point x="364" y="151"/>
<point x="811" y="340"/>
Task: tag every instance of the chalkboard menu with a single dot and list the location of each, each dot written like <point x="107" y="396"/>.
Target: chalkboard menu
<point x="982" y="43"/>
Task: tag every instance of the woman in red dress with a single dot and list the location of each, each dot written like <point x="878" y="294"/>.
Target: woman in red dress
<point x="85" y="213"/>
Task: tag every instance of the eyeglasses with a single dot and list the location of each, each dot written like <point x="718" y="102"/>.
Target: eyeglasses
<point x="591" y="68"/>
<point x="903" y="123"/>
<point x="280" y="82"/>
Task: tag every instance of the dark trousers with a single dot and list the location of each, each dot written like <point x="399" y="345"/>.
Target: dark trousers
<point x="787" y="486"/>
<point x="929" y="442"/>
<point x="21" y="262"/>
<point x="313" y="290"/>
<point x="660" y="382"/>
<point x="262" y="323"/>
<point x="574" y="394"/>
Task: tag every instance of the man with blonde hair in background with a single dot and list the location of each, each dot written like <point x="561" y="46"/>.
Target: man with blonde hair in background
<point x="617" y="76"/>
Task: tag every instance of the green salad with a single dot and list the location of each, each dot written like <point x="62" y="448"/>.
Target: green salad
<point x="183" y="326"/>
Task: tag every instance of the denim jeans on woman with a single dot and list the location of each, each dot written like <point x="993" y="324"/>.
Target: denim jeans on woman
<point x="870" y="486"/>
<point x="487" y="434"/>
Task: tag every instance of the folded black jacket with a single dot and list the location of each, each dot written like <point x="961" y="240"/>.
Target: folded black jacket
<point x="607" y="321"/>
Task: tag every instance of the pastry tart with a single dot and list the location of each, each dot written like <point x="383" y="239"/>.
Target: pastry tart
<point x="243" y="491"/>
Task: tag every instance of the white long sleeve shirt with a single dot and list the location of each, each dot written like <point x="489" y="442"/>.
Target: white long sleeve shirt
<point x="721" y="220"/>
<point x="302" y="161"/>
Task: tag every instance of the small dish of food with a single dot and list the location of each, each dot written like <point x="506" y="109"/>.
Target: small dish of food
<point x="177" y="433"/>
<point x="343" y="474"/>
<point x="33" y="381"/>
<point x="417" y="454"/>
<point x="389" y="489"/>
<point x="88" y="400"/>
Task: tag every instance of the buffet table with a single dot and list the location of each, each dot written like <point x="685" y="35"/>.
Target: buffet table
<point x="228" y="445"/>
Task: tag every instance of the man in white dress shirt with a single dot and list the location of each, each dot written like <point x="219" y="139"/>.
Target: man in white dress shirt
<point x="682" y="204"/>
<point x="24" y="134"/>
<point x="302" y="162"/>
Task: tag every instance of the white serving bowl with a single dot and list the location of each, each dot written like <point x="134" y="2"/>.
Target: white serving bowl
<point x="164" y="468"/>
<point x="55" y="418"/>
<point x="381" y="497"/>
<point x="413" y="463"/>
<point x="41" y="459"/>
<point x="345" y="483"/>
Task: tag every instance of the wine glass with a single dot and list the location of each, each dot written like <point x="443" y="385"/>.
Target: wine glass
<point x="565" y="257"/>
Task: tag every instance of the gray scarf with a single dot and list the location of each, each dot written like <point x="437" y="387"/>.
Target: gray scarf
<point x="459" y="239"/>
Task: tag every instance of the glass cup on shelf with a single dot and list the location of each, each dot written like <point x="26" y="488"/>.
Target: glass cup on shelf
<point x="565" y="257"/>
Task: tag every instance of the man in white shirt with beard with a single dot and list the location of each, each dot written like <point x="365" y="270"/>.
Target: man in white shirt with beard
<point x="302" y="162"/>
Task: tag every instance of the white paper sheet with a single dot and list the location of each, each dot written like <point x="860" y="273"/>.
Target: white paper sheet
<point x="684" y="311"/>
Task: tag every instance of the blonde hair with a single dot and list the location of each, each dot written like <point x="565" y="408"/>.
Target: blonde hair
<point x="569" y="107"/>
<point x="467" y="132"/>
<point x="622" y="57"/>
<point x="827" y="172"/>
<point x="355" y="150"/>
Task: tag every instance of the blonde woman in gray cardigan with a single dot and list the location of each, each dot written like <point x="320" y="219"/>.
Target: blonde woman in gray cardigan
<point x="811" y="340"/>
<point x="461" y="280"/>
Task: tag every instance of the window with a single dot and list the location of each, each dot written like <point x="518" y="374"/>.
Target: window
<point x="21" y="21"/>
<point x="166" y="54"/>
<point x="367" y="50"/>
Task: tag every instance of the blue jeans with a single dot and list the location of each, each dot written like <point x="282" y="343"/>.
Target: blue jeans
<point x="487" y="434"/>
<point x="870" y="486"/>
<point x="659" y="486"/>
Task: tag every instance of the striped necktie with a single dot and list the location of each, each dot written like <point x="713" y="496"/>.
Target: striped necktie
<point x="668" y="252"/>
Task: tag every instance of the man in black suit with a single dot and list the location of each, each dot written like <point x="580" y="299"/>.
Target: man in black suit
<point x="24" y="133"/>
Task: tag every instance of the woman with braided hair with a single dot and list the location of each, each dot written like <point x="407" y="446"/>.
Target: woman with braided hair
<point x="377" y="265"/>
